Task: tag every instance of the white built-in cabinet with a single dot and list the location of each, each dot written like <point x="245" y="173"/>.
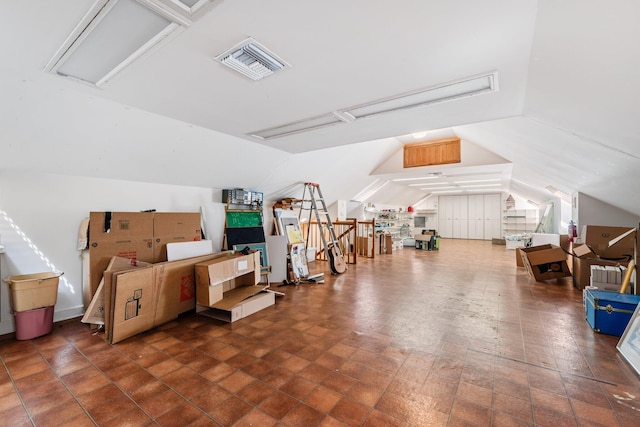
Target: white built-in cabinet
<point x="492" y="217"/>
<point x="476" y="216"/>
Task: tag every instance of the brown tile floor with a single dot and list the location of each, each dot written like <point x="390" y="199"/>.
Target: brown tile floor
<point x="454" y="337"/>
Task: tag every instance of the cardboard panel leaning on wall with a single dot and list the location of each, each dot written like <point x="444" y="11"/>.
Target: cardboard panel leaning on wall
<point x="174" y="227"/>
<point x="136" y="235"/>
<point x="134" y="307"/>
<point x="122" y="234"/>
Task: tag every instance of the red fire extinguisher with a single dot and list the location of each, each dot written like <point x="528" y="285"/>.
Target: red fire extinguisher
<point x="572" y="230"/>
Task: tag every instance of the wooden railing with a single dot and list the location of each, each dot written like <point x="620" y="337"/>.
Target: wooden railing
<point x="346" y="233"/>
<point x="365" y="245"/>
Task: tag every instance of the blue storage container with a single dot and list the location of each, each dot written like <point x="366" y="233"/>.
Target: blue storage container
<point x="609" y="312"/>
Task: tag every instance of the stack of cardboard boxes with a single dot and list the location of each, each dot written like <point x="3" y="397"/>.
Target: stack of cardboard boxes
<point x="595" y="250"/>
<point x="134" y="288"/>
<point x="544" y="262"/>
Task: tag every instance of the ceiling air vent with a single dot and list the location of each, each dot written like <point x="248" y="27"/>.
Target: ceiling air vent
<point x="252" y="60"/>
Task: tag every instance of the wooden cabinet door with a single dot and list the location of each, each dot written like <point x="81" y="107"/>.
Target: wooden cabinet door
<point x="438" y="152"/>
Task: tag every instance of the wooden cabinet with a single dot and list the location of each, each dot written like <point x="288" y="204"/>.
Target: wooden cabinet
<point x="438" y="152"/>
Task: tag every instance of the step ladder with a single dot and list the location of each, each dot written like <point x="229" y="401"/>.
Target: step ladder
<point x="316" y="205"/>
<point x="545" y="221"/>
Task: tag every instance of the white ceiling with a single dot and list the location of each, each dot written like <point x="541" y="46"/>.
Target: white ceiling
<point x="565" y="113"/>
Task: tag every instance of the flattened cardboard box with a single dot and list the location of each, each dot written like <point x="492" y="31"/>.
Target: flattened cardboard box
<point x="116" y="265"/>
<point x="136" y="235"/>
<point x="161" y="294"/>
<point x="101" y="303"/>
<point x="545" y="262"/>
<point x="134" y="308"/>
<point x="175" y="282"/>
<point x="123" y="234"/>
<point x="243" y="309"/>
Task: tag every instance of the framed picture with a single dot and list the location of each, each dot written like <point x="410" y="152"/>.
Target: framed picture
<point x="260" y="247"/>
<point x="299" y="266"/>
<point x="629" y="344"/>
<point x="289" y="225"/>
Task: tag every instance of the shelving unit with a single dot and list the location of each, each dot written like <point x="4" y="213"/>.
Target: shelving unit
<point x="399" y="224"/>
<point x="519" y="221"/>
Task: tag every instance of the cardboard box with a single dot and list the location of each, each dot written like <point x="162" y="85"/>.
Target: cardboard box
<point x="243" y="309"/>
<point x="146" y="297"/>
<point x="223" y="274"/>
<point x="175" y="283"/>
<point x="598" y="238"/>
<point x="133" y="304"/>
<point x="585" y="257"/>
<point x="122" y="234"/>
<point x="142" y="236"/>
<point x="609" y="312"/>
<point x="174" y="227"/>
<point x="583" y="251"/>
<point x="116" y="264"/>
<point x="519" y="262"/>
<point x="582" y="269"/>
<point x="545" y="262"/>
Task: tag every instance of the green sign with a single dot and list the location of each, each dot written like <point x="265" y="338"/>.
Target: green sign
<point x="240" y="219"/>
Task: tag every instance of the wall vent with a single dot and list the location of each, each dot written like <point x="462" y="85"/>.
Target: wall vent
<point x="252" y="60"/>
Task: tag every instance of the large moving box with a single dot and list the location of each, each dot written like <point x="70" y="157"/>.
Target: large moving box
<point x="598" y="238"/>
<point x="545" y="262"/>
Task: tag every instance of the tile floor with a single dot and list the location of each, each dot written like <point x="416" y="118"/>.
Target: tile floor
<point x="457" y="337"/>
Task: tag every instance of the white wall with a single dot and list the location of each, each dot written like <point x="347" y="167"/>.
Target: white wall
<point x="47" y="210"/>
<point x="591" y="211"/>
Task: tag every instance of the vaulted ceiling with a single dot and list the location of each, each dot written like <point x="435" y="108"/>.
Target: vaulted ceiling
<point x="564" y="111"/>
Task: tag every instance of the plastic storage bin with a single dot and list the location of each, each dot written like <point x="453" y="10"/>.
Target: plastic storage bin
<point x="33" y="323"/>
<point x="32" y="298"/>
<point x="29" y="291"/>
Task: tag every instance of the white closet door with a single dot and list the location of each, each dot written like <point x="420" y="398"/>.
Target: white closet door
<point x="460" y="217"/>
<point x="476" y="216"/>
<point x="492" y="217"/>
<point x="445" y="216"/>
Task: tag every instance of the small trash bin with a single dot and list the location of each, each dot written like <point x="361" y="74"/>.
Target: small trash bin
<point x="32" y="298"/>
